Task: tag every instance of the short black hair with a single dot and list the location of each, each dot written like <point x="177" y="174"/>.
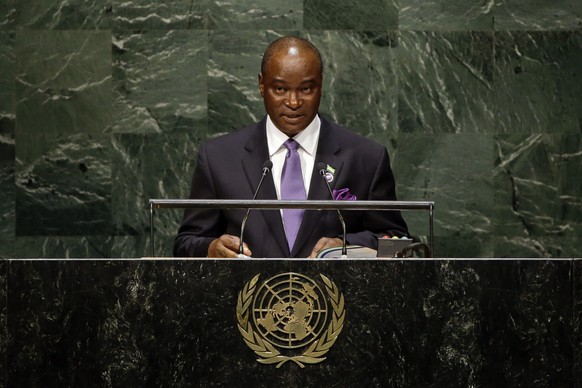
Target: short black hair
<point x="289" y="41"/>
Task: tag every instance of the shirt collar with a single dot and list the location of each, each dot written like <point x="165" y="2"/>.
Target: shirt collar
<point x="307" y="138"/>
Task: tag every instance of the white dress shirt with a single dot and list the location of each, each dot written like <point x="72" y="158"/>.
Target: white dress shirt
<point x="307" y="139"/>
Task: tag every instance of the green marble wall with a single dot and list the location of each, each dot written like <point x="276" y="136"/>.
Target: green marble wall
<point x="103" y="105"/>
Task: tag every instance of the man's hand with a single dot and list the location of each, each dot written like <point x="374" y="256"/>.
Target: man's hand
<point x="323" y="243"/>
<point x="227" y="246"/>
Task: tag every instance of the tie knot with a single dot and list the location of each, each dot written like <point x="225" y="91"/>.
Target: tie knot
<point x="291" y="145"/>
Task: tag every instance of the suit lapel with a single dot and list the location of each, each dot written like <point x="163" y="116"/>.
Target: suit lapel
<point x="328" y="149"/>
<point x="257" y="152"/>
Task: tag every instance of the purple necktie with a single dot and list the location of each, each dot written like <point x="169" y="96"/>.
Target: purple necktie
<point x="292" y="188"/>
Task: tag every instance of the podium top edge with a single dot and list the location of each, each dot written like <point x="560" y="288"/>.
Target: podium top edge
<point x="282" y="204"/>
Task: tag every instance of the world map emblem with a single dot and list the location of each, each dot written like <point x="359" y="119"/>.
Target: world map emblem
<point x="290" y="317"/>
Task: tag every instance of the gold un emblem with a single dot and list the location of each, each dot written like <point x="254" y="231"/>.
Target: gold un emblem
<point x="287" y="318"/>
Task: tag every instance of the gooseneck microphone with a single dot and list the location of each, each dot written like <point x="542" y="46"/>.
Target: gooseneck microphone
<point x="267" y="166"/>
<point x="321" y="168"/>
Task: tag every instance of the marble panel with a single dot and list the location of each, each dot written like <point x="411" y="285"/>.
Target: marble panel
<point x="63" y="172"/>
<point x="64" y="247"/>
<point x="446" y="15"/>
<point x="139" y="245"/>
<point x="173" y="323"/>
<point x="7" y="207"/>
<point x="70" y="309"/>
<point x="359" y="83"/>
<point x="526" y="312"/>
<point x="255" y="14"/>
<point x="7" y="11"/>
<point x="160" y="81"/>
<point x="234" y="100"/>
<point x="538" y="207"/>
<point x="392" y="70"/>
<point x="371" y="15"/>
<point x="159" y="15"/>
<point x="67" y="190"/>
<point x="63" y="15"/>
<point x="92" y="246"/>
<point x="538" y="15"/>
<point x="461" y="188"/>
<point x="150" y="166"/>
<point x="63" y="87"/>
<point x="538" y="84"/>
<point x="7" y="144"/>
<point x="446" y="82"/>
<point x="7" y="89"/>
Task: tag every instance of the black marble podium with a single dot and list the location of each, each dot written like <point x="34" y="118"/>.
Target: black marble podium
<point x="173" y="323"/>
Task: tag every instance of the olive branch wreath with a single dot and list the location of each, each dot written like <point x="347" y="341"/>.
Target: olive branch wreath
<point x="266" y="351"/>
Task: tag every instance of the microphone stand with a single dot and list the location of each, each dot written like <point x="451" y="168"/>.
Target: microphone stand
<point x="266" y="168"/>
<point x="321" y="169"/>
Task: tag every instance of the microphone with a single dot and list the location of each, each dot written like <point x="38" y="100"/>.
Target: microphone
<point x="267" y="165"/>
<point x="321" y="168"/>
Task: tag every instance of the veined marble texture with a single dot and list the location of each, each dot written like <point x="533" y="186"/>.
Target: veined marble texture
<point x="538" y="85"/>
<point x="538" y="206"/>
<point x="95" y="246"/>
<point x="67" y="191"/>
<point x="526" y="15"/>
<point x="538" y="15"/>
<point x="446" y="82"/>
<point x="371" y="15"/>
<point x="255" y="14"/>
<point x="360" y="82"/>
<point x="63" y="87"/>
<point x="7" y="144"/>
<point x="7" y="73"/>
<point x="234" y="64"/>
<point x="65" y="246"/>
<point x="206" y="14"/>
<point x="150" y="14"/>
<point x="461" y="188"/>
<point x="7" y="208"/>
<point x="63" y="174"/>
<point x="150" y="166"/>
<point x="7" y="10"/>
<point x="310" y="14"/>
<point x="63" y="15"/>
<point x="407" y="323"/>
<point x="103" y="105"/>
<point x="439" y="15"/>
<point x="159" y="79"/>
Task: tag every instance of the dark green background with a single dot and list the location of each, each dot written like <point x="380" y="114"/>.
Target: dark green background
<point x="103" y="105"/>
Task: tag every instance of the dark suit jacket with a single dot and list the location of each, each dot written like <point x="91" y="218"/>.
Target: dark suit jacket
<point x="230" y="167"/>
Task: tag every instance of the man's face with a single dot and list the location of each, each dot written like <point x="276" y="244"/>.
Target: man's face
<point x="291" y="89"/>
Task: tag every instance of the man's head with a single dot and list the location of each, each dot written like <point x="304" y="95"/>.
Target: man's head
<point x="290" y="82"/>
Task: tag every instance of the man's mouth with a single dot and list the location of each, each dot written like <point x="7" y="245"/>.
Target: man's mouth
<point x="292" y="117"/>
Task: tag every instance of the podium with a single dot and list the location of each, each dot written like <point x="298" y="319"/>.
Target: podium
<point x="404" y="322"/>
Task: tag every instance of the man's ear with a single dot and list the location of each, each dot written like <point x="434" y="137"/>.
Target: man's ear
<point x="261" y="85"/>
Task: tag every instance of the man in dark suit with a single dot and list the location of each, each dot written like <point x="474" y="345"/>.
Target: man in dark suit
<point x="229" y="167"/>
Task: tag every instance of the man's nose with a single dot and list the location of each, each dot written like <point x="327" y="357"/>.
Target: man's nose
<point x="293" y="101"/>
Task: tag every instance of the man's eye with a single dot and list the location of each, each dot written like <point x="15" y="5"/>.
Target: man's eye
<point x="306" y="89"/>
<point x="280" y="89"/>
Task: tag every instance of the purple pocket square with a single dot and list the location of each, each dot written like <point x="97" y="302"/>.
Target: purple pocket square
<point x="343" y="195"/>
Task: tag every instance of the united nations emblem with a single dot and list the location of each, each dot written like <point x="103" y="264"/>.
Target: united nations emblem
<point x="290" y="318"/>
